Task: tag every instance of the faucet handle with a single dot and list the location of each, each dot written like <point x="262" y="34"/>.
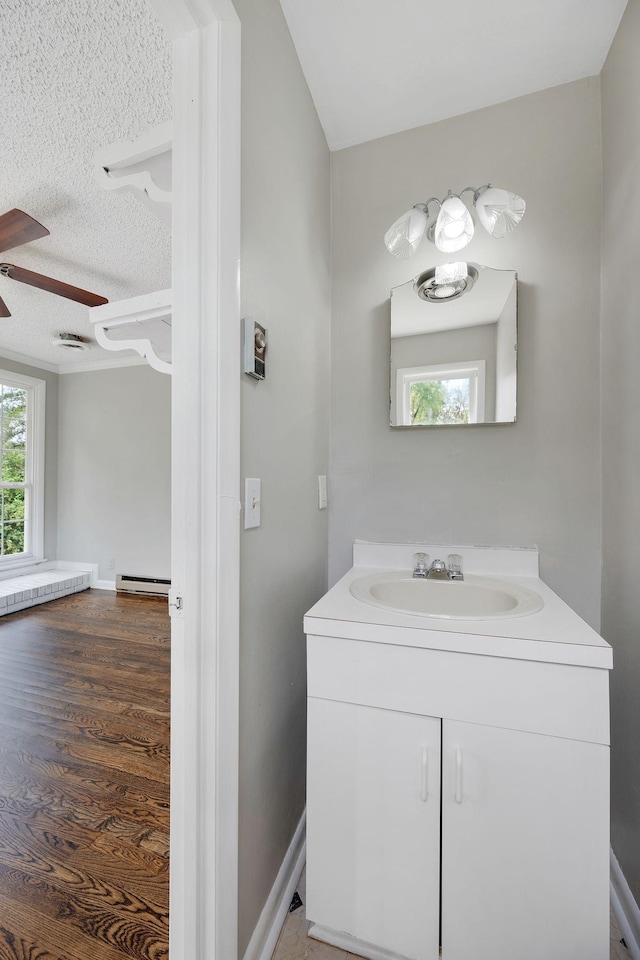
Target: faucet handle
<point x="454" y="566"/>
<point x="421" y="562"/>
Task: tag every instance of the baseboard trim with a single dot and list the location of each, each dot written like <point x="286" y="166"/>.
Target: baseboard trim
<point x="350" y="944"/>
<point x="625" y="908"/>
<point x="265" y="936"/>
<point x="104" y="585"/>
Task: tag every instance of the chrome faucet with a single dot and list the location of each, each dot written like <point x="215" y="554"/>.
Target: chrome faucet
<point x="438" y="570"/>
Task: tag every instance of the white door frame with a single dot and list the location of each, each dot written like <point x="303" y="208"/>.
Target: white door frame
<point x="205" y="477"/>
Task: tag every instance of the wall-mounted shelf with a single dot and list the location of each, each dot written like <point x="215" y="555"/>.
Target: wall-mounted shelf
<point x="141" y="323"/>
<point x="141" y="166"/>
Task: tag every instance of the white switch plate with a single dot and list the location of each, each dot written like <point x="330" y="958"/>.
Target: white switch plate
<point x="322" y="492"/>
<point x="251" y="502"/>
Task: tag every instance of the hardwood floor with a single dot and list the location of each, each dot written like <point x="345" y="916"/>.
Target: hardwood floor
<point x="84" y="779"/>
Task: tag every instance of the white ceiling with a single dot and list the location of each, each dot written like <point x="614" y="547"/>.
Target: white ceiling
<point x="76" y="76"/>
<point x="376" y="67"/>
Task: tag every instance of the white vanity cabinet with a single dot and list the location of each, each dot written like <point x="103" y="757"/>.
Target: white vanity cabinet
<point x="373" y="825"/>
<point x="524" y="838"/>
<point x="457" y="801"/>
<point x="525" y="846"/>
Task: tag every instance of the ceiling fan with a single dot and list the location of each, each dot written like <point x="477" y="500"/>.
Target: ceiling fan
<point x="16" y="228"/>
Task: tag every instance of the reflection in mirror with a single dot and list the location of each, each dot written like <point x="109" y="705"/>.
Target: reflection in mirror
<point x="453" y="348"/>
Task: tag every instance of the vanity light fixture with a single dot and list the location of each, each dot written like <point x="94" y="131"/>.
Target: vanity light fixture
<point x="450" y="272"/>
<point x="499" y="211"/>
<point x="446" y="282"/>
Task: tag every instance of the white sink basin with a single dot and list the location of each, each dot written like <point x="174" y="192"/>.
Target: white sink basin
<point x="474" y="598"/>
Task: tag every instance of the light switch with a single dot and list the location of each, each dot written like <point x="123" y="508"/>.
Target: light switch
<point x="251" y="502"/>
<point x="322" y="492"/>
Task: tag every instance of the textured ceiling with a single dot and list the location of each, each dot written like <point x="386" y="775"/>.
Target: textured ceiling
<point x="77" y="75"/>
<point x="376" y="67"/>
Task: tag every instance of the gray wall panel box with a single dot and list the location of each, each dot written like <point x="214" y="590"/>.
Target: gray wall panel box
<point x="255" y="348"/>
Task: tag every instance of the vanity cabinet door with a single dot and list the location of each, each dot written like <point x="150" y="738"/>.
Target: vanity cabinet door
<point x="373" y="826"/>
<point x="525" y="846"/>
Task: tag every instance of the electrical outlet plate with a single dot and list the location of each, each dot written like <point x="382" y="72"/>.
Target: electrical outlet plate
<point x="251" y="502"/>
<point x="322" y="492"/>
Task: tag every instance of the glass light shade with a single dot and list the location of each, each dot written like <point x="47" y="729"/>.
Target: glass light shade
<point x="454" y="226"/>
<point x="450" y="272"/>
<point x="499" y="211"/>
<point x="403" y="238"/>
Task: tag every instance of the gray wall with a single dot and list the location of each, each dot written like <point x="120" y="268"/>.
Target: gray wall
<point x="285" y="285"/>
<point x="114" y="475"/>
<point x="533" y="482"/>
<point x="50" y="450"/>
<point x="620" y="433"/>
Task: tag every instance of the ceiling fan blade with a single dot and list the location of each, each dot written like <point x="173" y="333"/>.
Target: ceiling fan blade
<point x="17" y="227"/>
<point x="4" y="309"/>
<point x="51" y="285"/>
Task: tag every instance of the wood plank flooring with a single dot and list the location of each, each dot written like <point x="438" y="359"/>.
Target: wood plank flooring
<point x="84" y="779"/>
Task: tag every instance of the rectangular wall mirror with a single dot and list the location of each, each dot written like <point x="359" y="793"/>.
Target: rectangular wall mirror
<point x="454" y="347"/>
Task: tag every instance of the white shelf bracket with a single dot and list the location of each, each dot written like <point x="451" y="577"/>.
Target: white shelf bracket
<point x="148" y="314"/>
<point x="142" y="166"/>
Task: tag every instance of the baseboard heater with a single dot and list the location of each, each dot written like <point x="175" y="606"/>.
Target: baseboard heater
<point x="152" y="586"/>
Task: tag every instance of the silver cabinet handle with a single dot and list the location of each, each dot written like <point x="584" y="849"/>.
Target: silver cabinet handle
<point x="459" y="796"/>
<point x="424" y="775"/>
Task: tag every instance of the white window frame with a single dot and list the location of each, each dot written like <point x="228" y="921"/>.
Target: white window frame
<point x="34" y="469"/>
<point x="472" y="370"/>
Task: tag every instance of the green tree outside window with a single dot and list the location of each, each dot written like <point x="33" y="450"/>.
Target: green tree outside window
<point x="440" y="401"/>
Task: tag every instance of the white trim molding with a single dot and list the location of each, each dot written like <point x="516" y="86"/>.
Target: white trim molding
<point x="180" y="17"/>
<point x="104" y="585"/>
<point x="33" y="485"/>
<point x="625" y="908"/>
<point x="205" y="478"/>
<point x="111" y="363"/>
<point x="61" y="368"/>
<point x="29" y="361"/>
<point x="274" y="913"/>
<point x="350" y="944"/>
<point x="472" y="370"/>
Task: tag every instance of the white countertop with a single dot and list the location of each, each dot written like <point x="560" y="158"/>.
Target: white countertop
<point x="556" y="634"/>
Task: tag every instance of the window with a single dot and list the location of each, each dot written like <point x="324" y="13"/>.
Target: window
<point x="446" y="393"/>
<point x="21" y="467"/>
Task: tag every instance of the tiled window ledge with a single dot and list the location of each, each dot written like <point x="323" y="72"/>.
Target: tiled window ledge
<point x="18" y="593"/>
